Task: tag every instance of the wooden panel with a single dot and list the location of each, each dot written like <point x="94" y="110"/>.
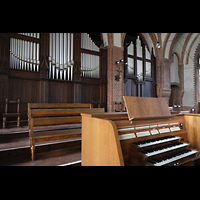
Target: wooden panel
<point x="100" y="143"/>
<point x="22" y="74"/>
<point x="3" y="87"/>
<point x="138" y="107"/>
<point x="61" y="91"/>
<point x="25" y="90"/>
<point x="59" y="105"/>
<point x="193" y="129"/>
<point x="63" y="112"/>
<point x="55" y="121"/>
<point x="90" y="93"/>
<point x="108" y="115"/>
<point x="53" y="135"/>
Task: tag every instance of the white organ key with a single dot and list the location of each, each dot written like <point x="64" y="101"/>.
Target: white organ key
<point x="173" y="123"/>
<point x="167" y="149"/>
<point x="176" y="158"/>
<point x="153" y="125"/>
<point x="143" y="133"/>
<point x="142" y="127"/>
<point x="175" y="128"/>
<point x="126" y="129"/>
<point x="154" y="132"/>
<point x="127" y="136"/>
<point x="163" y="125"/>
<point x="158" y="142"/>
<point x="164" y="130"/>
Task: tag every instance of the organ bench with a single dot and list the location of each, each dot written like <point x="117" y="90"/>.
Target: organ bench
<point x="144" y="136"/>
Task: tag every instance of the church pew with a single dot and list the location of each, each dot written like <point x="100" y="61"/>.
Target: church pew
<point x="46" y="114"/>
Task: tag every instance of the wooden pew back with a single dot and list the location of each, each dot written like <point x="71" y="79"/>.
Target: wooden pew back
<point x="46" y="114"/>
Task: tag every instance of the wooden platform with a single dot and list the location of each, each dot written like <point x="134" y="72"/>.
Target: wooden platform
<point x="15" y="149"/>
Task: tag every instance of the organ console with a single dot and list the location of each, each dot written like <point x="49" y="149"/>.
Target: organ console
<point x="147" y="135"/>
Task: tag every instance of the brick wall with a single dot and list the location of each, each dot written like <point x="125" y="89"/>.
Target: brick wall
<point x="114" y="88"/>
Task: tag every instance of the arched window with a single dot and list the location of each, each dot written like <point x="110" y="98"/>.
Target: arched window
<point x="139" y="72"/>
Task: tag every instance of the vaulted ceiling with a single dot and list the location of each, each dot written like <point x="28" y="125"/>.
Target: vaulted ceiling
<point x="183" y="44"/>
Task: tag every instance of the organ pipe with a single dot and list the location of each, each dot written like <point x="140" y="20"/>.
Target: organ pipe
<point x="24" y="55"/>
<point x="89" y="62"/>
<point x="61" y="56"/>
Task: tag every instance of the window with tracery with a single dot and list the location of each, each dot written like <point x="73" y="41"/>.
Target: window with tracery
<point x="138" y="60"/>
<point x="139" y="68"/>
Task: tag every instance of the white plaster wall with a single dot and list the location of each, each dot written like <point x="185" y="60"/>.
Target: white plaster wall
<point x="105" y="39"/>
<point x="149" y="41"/>
<point x="168" y="45"/>
<point x="174" y="70"/>
<point x="189" y="79"/>
<point x="188" y="97"/>
<point x="117" y="39"/>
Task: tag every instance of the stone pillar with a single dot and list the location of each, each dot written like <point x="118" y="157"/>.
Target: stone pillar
<point x="181" y="81"/>
<point x="165" y="87"/>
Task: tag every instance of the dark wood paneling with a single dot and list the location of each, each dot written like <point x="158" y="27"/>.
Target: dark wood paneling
<point x="90" y="93"/>
<point x="61" y="91"/>
<point x="25" y="90"/>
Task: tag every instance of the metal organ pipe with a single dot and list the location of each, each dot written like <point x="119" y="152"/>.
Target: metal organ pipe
<point x="61" y="56"/>
<point x="89" y="62"/>
<point x="24" y="55"/>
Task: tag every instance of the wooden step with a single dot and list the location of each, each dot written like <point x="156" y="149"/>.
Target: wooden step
<point x="61" y="157"/>
<point x="23" y="147"/>
<point x="15" y="150"/>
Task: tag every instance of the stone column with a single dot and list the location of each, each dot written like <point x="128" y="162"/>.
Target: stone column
<point x="165" y="88"/>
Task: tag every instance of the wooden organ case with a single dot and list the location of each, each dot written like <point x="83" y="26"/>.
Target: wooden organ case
<point x="147" y="135"/>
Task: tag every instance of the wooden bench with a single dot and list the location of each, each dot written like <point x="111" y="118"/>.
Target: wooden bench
<point x="65" y="116"/>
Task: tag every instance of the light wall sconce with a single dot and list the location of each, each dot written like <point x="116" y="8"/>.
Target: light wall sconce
<point x="119" y="65"/>
<point x="158" y="45"/>
<point x="177" y="106"/>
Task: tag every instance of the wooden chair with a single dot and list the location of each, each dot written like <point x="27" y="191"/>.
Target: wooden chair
<point x="7" y="114"/>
